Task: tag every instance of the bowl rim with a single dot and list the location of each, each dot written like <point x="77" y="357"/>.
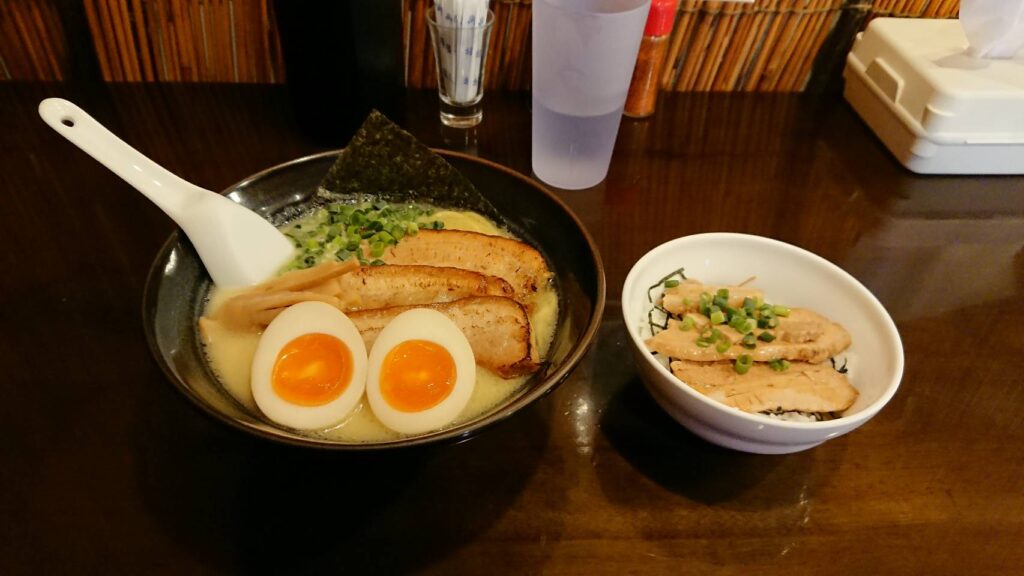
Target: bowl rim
<point x="455" y="434"/>
<point x="838" y="424"/>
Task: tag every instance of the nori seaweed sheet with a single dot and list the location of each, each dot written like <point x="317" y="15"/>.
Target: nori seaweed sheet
<point x="383" y="162"/>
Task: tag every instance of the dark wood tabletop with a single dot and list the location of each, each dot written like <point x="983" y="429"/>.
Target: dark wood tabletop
<point x="106" y="468"/>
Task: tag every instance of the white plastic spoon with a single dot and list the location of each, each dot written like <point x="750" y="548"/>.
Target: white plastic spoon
<point x="238" y="247"/>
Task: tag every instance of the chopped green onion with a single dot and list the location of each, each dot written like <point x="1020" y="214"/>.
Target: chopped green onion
<point x="722" y="346"/>
<point x="766" y="337"/>
<point x="377" y="249"/>
<point x="723" y="293"/>
<point x="377" y="262"/>
<point x="749" y="342"/>
<point x="709" y="337"/>
<point x="741" y="325"/>
<point x="749" y="306"/>
<point x="717" y="317"/>
<point x="743" y="364"/>
<point x="779" y="364"/>
<point x="781" y="310"/>
<point x="671" y="283"/>
<point x="687" y="323"/>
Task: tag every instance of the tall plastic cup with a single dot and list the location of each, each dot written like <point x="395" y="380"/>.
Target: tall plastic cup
<point x="583" y="57"/>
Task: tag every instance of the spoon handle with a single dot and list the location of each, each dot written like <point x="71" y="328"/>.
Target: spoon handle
<point x="169" y="192"/>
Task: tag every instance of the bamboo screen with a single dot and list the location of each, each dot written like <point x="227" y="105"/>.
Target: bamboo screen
<point x="186" y="40"/>
<point x="768" y="45"/>
<point x="32" y="43"/>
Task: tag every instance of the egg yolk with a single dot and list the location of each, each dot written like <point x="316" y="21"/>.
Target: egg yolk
<point x="312" y="370"/>
<point x="417" y="375"/>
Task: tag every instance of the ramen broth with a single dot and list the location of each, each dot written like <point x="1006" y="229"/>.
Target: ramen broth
<point x="230" y="353"/>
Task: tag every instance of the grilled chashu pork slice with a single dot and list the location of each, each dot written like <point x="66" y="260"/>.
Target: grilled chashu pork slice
<point x="349" y="287"/>
<point x="804" y="336"/>
<point x="685" y="296"/>
<point x="497" y="328"/>
<point x="408" y="285"/>
<point x="802" y="387"/>
<point x="516" y="262"/>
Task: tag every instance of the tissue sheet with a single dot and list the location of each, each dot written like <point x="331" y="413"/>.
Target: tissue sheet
<point x="994" y="28"/>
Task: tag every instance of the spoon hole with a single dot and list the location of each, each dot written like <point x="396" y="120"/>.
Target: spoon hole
<point x="68" y="122"/>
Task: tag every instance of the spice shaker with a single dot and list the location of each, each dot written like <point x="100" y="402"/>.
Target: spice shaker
<point x="643" y="89"/>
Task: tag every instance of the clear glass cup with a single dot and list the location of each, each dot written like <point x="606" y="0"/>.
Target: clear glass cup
<point x="459" y="54"/>
<point x="583" y="57"/>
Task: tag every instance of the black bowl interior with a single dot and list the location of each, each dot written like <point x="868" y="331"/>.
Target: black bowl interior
<point x="178" y="284"/>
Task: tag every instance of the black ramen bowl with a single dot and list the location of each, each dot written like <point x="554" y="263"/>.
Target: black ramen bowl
<point x="178" y="284"/>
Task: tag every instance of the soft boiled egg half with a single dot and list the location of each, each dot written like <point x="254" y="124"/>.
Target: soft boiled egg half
<point x="309" y="370"/>
<point x="421" y="372"/>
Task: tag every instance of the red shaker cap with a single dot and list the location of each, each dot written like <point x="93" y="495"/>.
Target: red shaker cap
<point x="661" y="18"/>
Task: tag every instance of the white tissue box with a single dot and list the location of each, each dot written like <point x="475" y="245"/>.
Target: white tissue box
<point x="938" y="110"/>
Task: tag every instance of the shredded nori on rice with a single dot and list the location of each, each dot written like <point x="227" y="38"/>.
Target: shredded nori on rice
<point x="657" y="307"/>
<point x="383" y="163"/>
<point x="841" y="369"/>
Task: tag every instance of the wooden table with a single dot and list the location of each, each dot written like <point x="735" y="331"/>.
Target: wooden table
<point x="107" y="469"/>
